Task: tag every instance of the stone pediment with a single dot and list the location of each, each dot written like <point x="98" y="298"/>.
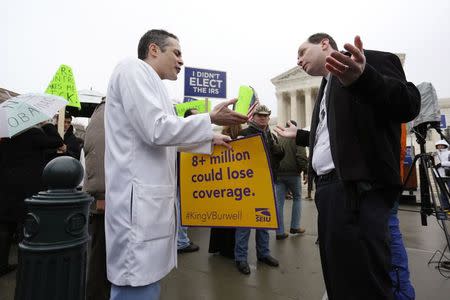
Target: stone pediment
<point x="295" y="79"/>
<point x="292" y="74"/>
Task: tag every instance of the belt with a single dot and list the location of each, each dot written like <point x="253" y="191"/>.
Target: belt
<point x="329" y="177"/>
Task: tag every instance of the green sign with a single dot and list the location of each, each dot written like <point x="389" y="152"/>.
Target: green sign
<point x="201" y="105"/>
<point x="245" y="100"/>
<point x="63" y="84"/>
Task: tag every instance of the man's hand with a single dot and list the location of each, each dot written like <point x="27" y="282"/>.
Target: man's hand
<point x="305" y="178"/>
<point x="287" y="132"/>
<point x="62" y="149"/>
<point x="222" y="115"/>
<point x="221" y="139"/>
<point x="347" y="69"/>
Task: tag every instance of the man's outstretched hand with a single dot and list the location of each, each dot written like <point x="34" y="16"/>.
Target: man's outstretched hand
<point x="287" y="132"/>
<point x="347" y="68"/>
<point x="222" y="115"/>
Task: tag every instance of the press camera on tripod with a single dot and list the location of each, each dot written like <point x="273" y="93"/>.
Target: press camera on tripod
<point x="434" y="190"/>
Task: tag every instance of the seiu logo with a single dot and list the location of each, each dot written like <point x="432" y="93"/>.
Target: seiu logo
<point x="262" y="214"/>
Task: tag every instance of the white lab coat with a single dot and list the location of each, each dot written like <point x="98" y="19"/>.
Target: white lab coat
<point x="141" y="132"/>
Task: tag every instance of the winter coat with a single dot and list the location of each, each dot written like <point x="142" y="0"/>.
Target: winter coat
<point x="94" y="154"/>
<point x="275" y="151"/>
<point x="294" y="161"/>
<point x="73" y="146"/>
<point x="22" y="161"/>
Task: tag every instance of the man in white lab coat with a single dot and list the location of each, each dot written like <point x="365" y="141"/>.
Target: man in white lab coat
<point x="141" y="135"/>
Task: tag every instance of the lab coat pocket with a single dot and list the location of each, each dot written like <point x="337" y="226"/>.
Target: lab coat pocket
<point x="153" y="212"/>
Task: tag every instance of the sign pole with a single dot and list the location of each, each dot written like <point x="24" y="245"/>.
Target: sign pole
<point x="61" y="117"/>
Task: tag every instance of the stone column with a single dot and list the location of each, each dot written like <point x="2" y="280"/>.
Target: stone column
<point x="302" y="113"/>
<point x="280" y="107"/>
<point x="294" y="105"/>
<point x="308" y="106"/>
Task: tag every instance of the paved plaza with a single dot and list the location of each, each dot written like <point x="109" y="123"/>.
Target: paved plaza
<point x="203" y="276"/>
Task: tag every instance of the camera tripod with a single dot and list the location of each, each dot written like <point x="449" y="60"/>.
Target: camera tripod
<point x="428" y="174"/>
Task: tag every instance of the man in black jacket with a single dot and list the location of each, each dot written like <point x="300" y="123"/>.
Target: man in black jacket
<point x="355" y="153"/>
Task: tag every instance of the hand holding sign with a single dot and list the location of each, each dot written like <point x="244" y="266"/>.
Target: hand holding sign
<point x="222" y="115"/>
<point x="222" y="140"/>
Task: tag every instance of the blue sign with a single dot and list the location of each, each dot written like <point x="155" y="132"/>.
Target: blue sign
<point x="189" y="99"/>
<point x="409" y="155"/>
<point x="205" y="83"/>
<point x="443" y="122"/>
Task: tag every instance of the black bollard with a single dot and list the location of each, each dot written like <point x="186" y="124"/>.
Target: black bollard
<point x="52" y="255"/>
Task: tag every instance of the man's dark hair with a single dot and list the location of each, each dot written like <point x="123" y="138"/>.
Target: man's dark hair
<point x="189" y="112"/>
<point x="318" y="37"/>
<point x="154" y="36"/>
<point x="68" y="115"/>
<point x="293" y="122"/>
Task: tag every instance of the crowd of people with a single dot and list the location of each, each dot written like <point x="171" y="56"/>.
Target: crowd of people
<point x="22" y="160"/>
<point x="130" y="156"/>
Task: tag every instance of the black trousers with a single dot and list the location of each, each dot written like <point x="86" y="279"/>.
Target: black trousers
<point x="354" y="243"/>
<point x="7" y="231"/>
<point x="97" y="287"/>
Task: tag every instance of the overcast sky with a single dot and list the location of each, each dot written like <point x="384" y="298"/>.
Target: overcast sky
<point x="253" y="41"/>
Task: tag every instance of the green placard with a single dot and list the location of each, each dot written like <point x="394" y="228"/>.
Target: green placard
<point x="199" y="105"/>
<point x="63" y="84"/>
<point x="244" y="100"/>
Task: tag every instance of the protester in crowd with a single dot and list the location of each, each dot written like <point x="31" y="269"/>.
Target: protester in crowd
<point x="184" y="243"/>
<point x="222" y="240"/>
<point x="355" y="151"/>
<point x="442" y="161"/>
<point x="259" y="125"/>
<point x="73" y="147"/>
<point x="292" y="165"/>
<point x="141" y="132"/>
<point x="97" y="284"/>
<point x="21" y="164"/>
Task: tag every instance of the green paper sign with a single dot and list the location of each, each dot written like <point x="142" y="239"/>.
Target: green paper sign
<point x="244" y="100"/>
<point x="63" y="84"/>
<point x="201" y="105"/>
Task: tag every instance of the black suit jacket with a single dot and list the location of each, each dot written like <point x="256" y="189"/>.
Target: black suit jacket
<point x="364" y="121"/>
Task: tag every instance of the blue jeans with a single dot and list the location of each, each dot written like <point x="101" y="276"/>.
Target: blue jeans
<point x="241" y="248"/>
<point x="282" y="185"/>
<point x="402" y="286"/>
<point x="183" y="240"/>
<point x="147" y="292"/>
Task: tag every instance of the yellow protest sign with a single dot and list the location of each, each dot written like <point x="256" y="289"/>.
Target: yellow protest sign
<point x="63" y="84"/>
<point x="230" y="188"/>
